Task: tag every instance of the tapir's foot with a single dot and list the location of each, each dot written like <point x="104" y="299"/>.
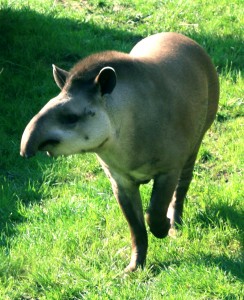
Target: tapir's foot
<point x="173" y="232"/>
<point x="138" y="260"/>
<point x="132" y="267"/>
<point x="158" y="227"/>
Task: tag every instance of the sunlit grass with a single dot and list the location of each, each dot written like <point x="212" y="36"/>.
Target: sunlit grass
<point x="62" y="235"/>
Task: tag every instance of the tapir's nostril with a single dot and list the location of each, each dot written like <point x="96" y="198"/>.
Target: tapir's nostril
<point x="45" y="144"/>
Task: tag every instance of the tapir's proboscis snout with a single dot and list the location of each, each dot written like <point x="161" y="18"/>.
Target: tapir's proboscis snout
<point x="31" y="141"/>
<point x="144" y="114"/>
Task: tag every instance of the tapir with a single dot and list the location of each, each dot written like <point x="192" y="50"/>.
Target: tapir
<point x="144" y="114"/>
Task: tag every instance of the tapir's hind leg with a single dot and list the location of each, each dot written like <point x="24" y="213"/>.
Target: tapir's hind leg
<point x="175" y="209"/>
<point x="156" y="215"/>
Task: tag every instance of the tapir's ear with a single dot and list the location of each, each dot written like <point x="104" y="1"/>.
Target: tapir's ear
<point x="60" y="76"/>
<point x="107" y="80"/>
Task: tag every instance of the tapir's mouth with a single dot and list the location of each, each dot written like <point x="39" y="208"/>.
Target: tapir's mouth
<point x="44" y="146"/>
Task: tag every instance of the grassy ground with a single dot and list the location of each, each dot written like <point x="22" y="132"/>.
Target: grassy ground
<point x="62" y="235"/>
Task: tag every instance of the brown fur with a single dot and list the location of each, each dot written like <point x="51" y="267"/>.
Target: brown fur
<point x="144" y="114"/>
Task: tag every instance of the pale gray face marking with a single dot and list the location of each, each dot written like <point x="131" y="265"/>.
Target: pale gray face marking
<point x="94" y="128"/>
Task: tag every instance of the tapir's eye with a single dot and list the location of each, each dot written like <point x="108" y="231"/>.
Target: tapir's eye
<point x="70" y="119"/>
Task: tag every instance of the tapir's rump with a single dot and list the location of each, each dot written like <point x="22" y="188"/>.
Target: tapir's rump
<point x="144" y="114"/>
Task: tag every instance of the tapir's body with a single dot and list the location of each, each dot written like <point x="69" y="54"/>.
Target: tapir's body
<point x="144" y="114"/>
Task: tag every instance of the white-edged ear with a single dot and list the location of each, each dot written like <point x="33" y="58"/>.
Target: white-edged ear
<point x="60" y="76"/>
<point x="106" y="80"/>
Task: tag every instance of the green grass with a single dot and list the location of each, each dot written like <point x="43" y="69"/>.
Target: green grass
<point x="62" y="235"/>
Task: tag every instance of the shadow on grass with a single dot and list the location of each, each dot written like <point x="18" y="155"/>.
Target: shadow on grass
<point x="216" y="215"/>
<point x="224" y="263"/>
<point x="220" y="214"/>
<point x="29" y="43"/>
<point x="226" y="52"/>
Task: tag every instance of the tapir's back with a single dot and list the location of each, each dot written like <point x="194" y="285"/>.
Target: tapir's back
<point x="178" y="54"/>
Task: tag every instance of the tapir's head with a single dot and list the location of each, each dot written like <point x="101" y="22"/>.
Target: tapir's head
<point x="76" y="120"/>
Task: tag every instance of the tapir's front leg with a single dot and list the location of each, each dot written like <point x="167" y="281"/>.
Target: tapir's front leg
<point x="129" y="199"/>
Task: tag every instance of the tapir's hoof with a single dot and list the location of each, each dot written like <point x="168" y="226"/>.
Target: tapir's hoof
<point x="158" y="228"/>
<point x="160" y="233"/>
<point x="130" y="268"/>
<point x="136" y="264"/>
<point x="173" y="233"/>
